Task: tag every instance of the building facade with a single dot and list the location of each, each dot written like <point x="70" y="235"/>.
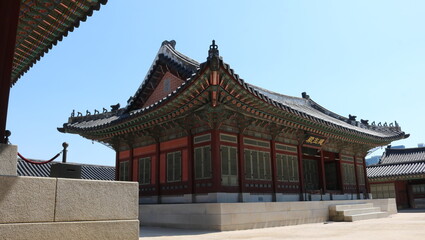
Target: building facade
<point x="197" y="132"/>
<point x="400" y="174"/>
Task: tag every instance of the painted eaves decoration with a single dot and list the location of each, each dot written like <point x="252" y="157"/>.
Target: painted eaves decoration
<point x="213" y="84"/>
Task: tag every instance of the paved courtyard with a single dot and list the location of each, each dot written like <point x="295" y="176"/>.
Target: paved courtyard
<point x="406" y="225"/>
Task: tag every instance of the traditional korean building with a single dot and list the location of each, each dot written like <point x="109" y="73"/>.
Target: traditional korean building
<point x="400" y="174"/>
<point x="197" y="132"/>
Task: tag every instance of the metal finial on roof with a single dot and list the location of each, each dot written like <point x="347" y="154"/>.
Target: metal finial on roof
<point x="214" y="56"/>
<point x="213" y="52"/>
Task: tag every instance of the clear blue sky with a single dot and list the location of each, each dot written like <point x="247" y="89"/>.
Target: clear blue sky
<point x="365" y="58"/>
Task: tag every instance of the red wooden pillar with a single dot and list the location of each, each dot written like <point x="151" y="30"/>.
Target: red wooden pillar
<point x="241" y="167"/>
<point x="322" y="172"/>
<point x="117" y="164"/>
<point x="356" y="174"/>
<point x="216" y="160"/>
<point x="274" y="172"/>
<point x="191" y="165"/>
<point x="9" y="12"/>
<point x="301" y="171"/>
<point x="130" y="164"/>
<point x="158" y="169"/>
<point x="340" y="177"/>
<point x="366" y="181"/>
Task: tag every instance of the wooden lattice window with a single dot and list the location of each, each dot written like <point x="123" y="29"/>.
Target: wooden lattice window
<point x="174" y="167"/>
<point x="287" y="148"/>
<point x="360" y="174"/>
<point x="203" y="162"/>
<point x="257" y="165"/>
<point x="384" y="190"/>
<point x="311" y="174"/>
<point x="124" y="171"/>
<point x="202" y="138"/>
<point x="229" y="167"/>
<point x="287" y="168"/>
<point x="349" y="174"/>
<point x="145" y="170"/>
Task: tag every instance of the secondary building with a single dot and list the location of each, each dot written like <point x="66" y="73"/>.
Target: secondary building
<point x="197" y="132"/>
<point x="400" y="174"/>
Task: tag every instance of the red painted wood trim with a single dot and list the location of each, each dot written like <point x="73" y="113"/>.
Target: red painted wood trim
<point x="366" y="180"/>
<point x="357" y="177"/>
<point x="301" y="171"/>
<point x="339" y="166"/>
<point x="241" y="167"/>
<point x="273" y="168"/>
<point x="130" y="164"/>
<point x="158" y="171"/>
<point x="117" y="165"/>
<point x="216" y="158"/>
<point x="9" y="12"/>
<point x="322" y="172"/>
<point x="191" y="166"/>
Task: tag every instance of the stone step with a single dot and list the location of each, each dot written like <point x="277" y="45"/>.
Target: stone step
<point x="350" y="206"/>
<point x="349" y="212"/>
<point x="334" y="209"/>
<point x="365" y="216"/>
<point x="340" y="215"/>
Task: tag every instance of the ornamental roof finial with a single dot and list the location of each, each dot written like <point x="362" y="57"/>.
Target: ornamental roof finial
<point x="213" y="56"/>
<point x="213" y="52"/>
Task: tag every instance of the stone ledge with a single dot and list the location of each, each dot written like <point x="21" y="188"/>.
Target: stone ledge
<point x="88" y="200"/>
<point x="27" y="199"/>
<point x="93" y="230"/>
<point x="8" y="160"/>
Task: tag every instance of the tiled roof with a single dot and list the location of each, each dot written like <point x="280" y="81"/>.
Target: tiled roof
<point x="92" y="172"/>
<point x="302" y="107"/>
<point x="42" y="24"/>
<point x="173" y="58"/>
<point x="314" y="110"/>
<point x="394" y="155"/>
<point x="392" y="170"/>
<point x="399" y="162"/>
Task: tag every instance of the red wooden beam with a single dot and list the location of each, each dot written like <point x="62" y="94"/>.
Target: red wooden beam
<point x="322" y="172"/>
<point x="301" y="171"/>
<point x="273" y="168"/>
<point x="9" y="10"/>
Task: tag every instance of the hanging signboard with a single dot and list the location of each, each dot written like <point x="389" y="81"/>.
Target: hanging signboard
<point x="314" y="140"/>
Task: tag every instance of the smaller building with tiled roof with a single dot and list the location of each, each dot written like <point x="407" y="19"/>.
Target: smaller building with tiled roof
<point x="401" y="174"/>
<point x="88" y="171"/>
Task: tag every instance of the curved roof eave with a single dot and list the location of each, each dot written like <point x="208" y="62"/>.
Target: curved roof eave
<point x="301" y="107"/>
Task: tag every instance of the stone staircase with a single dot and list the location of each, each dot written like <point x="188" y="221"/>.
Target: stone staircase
<point x="355" y="212"/>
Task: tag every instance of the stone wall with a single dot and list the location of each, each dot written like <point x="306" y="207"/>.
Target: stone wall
<point x="56" y="208"/>
<point x="236" y="216"/>
<point x="8" y="159"/>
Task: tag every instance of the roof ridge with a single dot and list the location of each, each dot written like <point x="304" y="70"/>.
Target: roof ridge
<point x="168" y="51"/>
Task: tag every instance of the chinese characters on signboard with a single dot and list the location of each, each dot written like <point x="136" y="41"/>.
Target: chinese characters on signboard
<point x="314" y="140"/>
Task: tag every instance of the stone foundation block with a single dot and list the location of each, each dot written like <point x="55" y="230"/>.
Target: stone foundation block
<point x="8" y="159"/>
<point x="26" y="199"/>
<point x="97" y="230"/>
<point x="83" y="200"/>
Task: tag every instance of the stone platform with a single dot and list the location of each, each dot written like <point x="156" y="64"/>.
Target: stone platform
<point x="238" y="216"/>
<point x="56" y="208"/>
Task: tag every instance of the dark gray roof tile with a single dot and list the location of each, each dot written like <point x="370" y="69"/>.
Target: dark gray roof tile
<point x="402" y="169"/>
<point x="92" y="172"/>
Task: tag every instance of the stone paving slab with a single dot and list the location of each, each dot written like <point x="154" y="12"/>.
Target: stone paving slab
<point x="406" y="225"/>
